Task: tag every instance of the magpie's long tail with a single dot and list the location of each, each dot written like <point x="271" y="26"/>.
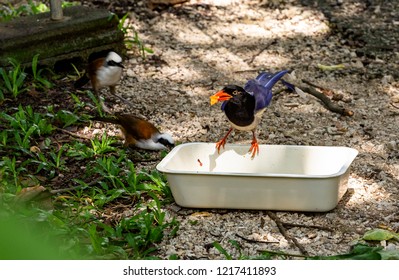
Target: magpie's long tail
<point x="269" y="80"/>
<point x="113" y="119"/>
<point x="81" y="81"/>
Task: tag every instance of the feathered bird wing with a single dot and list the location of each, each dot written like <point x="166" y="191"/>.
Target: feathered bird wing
<point x="136" y="127"/>
<point x="261" y="88"/>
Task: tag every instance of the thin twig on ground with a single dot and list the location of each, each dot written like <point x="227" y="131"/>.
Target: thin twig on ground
<point x="394" y="105"/>
<point x="254" y="241"/>
<point x="283" y="231"/>
<point x="307" y="226"/>
<point x="326" y="101"/>
<point x="265" y="47"/>
<point x="323" y="89"/>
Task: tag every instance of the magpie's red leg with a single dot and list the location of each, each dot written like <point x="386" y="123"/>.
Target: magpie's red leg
<point x="222" y="142"/>
<point x="254" y="149"/>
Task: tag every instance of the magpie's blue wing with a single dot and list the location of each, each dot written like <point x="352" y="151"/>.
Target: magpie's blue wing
<point x="261" y="88"/>
<point x="290" y="86"/>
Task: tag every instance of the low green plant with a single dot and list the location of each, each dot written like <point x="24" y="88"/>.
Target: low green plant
<point x="23" y="140"/>
<point x="237" y="247"/>
<point x="50" y="163"/>
<point x="143" y="230"/>
<point x="57" y="158"/>
<point x="156" y="181"/>
<point x="109" y="168"/>
<point x="13" y="80"/>
<point x="21" y="128"/>
<point x="25" y="119"/>
<point x="3" y="138"/>
<point x="107" y="242"/>
<point x="2" y="98"/>
<point x="132" y="40"/>
<point x="103" y="145"/>
<point x="9" y="12"/>
<point x="9" y="174"/>
<point x="31" y="8"/>
<point x="357" y="252"/>
<point x="98" y="103"/>
<point x="79" y="151"/>
<point x="38" y="80"/>
<point x="100" y="177"/>
<point x="78" y="103"/>
<point x="66" y="4"/>
<point x="67" y="118"/>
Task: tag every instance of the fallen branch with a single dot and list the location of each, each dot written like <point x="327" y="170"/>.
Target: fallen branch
<point x="327" y="102"/>
<point x="265" y="47"/>
<point x="394" y="105"/>
<point x="285" y="234"/>
<point x="307" y="226"/>
<point x="326" y="91"/>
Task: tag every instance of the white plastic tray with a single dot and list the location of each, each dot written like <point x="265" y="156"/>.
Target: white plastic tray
<point x="280" y="177"/>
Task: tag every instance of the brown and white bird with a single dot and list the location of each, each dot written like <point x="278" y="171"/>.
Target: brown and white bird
<point x="102" y="72"/>
<point x="139" y="132"/>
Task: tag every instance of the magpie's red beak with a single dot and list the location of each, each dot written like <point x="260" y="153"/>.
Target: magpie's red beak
<point x="220" y="96"/>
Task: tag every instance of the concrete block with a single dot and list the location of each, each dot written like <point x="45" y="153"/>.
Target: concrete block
<point x="82" y="31"/>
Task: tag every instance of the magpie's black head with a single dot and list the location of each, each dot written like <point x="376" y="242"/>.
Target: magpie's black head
<point x="240" y="109"/>
<point x="233" y="90"/>
<point x="227" y="93"/>
<point x="238" y="105"/>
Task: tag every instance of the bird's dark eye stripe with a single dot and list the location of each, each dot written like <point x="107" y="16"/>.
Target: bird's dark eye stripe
<point x="164" y="142"/>
<point x="113" y="63"/>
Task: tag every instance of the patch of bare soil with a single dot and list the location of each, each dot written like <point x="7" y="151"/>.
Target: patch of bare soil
<point x="202" y="45"/>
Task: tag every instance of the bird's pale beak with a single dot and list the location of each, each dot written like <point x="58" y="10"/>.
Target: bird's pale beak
<point x="220" y="96"/>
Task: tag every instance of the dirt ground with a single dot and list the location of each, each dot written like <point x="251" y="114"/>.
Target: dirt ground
<point x="201" y="45"/>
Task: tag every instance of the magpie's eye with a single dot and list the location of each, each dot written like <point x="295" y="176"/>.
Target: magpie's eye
<point x="235" y="92"/>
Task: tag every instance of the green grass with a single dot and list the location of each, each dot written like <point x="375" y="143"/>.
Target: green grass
<point x="132" y="37"/>
<point x="72" y="192"/>
<point x="12" y="82"/>
<point x="9" y="11"/>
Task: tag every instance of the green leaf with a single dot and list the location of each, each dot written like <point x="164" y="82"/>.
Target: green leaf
<point x="389" y="254"/>
<point x="358" y="252"/>
<point x="34" y="65"/>
<point x="221" y="250"/>
<point x="67" y="118"/>
<point x="95" y="239"/>
<point x="379" y="235"/>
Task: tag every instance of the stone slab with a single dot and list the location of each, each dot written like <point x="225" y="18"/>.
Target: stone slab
<point x="83" y="31"/>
